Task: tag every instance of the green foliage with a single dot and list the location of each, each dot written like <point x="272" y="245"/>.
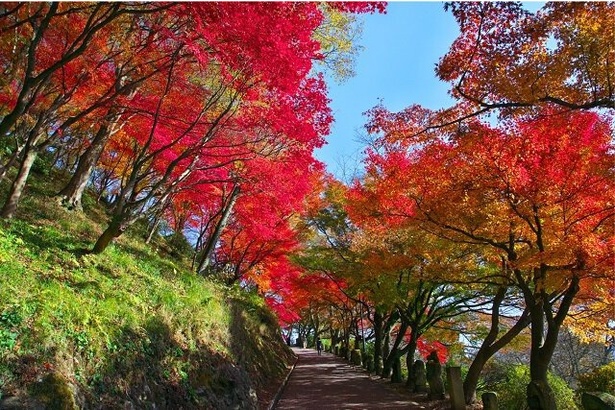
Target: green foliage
<point x="43" y="164"/>
<point x="338" y="35"/>
<point x="180" y="247"/>
<point x="512" y="390"/>
<point x="10" y="319"/>
<point x="601" y="379"/>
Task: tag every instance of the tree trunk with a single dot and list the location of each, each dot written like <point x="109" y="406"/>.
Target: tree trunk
<point x="211" y="243"/>
<point x="10" y="206"/>
<point x="386" y="352"/>
<point x="395" y="353"/>
<point x="153" y="229"/>
<point x="11" y="162"/>
<point x="396" y="377"/>
<point x="539" y="394"/>
<point x="116" y="227"/>
<point x="410" y="360"/>
<point x="378" y="328"/>
<point x="72" y="193"/>
<point x="491" y="345"/>
<point x="334" y="338"/>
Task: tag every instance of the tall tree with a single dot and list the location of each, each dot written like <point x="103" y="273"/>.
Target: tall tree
<point x="258" y="101"/>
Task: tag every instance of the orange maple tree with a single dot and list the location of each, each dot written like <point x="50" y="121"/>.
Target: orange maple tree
<point x="536" y="193"/>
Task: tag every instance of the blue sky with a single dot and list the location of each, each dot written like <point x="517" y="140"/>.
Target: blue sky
<point x="396" y="67"/>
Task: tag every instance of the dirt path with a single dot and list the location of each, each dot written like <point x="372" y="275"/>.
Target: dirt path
<point x="328" y="382"/>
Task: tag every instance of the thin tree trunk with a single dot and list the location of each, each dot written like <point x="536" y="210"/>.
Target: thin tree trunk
<point x="17" y="188"/>
<point x="211" y="243"/>
<point x="153" y="229"/>
<point x="378" y="330"/>
<point x="386" y="352"/>
<point x="491" y="345"/>
<point x="11" y="162"/>
<point x="72" y="193"/>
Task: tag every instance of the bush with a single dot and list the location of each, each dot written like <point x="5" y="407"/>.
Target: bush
<point x="43" y="164"/>
<point x="512" y="390"/>
<point x="369" y="363"/>
<point x="355" y="357"/>
<point x="601" y="379"/>
<point x="180" y="247"/>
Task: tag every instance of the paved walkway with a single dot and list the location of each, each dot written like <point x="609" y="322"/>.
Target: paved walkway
<point x="328" y="382"/>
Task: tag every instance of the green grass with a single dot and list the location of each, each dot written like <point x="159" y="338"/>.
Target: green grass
<point x="116" y="323"/>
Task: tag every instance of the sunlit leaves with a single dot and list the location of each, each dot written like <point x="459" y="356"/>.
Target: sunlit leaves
<point x="508" y="58"/>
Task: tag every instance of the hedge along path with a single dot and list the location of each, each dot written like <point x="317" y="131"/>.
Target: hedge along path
<point x="328" y="382"/>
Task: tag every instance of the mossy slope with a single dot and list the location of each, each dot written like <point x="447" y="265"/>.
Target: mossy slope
<point x="128" y="327"/>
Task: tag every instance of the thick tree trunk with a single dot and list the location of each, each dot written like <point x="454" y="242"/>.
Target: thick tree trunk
<point x="396" y="377"/>
<point x="410" y="360"/>
<point x="395" y="353"/>
<point x="334" y="338"/>
<point x="546" y="322"/>
<point x="10" y="206"/>
<point x="539" y="393"/>
<point x="116" y="228"/>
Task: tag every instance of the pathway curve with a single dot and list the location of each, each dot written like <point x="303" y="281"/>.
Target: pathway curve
<point x="328" y="382"/>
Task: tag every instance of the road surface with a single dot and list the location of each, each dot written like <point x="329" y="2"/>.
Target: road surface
<point x="328" y="382"/>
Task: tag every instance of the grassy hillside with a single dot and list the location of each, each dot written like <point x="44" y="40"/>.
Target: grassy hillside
<point x="130" y="326"/>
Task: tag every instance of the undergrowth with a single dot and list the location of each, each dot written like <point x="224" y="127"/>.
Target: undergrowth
<point x="132" y="320"/>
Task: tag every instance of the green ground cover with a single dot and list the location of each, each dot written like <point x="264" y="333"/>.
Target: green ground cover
<point x="131" y="324"/>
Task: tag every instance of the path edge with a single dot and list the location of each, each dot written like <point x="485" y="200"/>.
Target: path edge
<point x="277" y="396"/>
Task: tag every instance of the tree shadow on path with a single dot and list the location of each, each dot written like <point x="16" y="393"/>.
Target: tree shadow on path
<point x="328" y="382"/>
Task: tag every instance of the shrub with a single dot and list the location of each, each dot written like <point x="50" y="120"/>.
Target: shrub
<point x="601" y="379"/>
<point x="180" y="247"/>
<point x="355" y="357"/>
<point x="512" y="390"/>
<point x="369" y="362"/>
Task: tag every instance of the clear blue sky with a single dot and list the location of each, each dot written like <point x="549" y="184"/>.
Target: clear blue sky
<point x="396" y="67"/>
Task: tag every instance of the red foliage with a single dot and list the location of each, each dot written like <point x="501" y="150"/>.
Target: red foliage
<point x="425" y="348"/>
